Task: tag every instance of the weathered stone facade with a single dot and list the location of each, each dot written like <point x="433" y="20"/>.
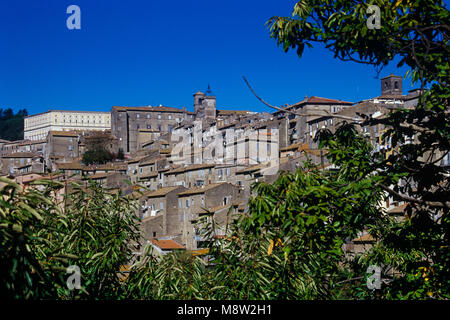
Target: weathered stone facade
<point x="127" y="121"/>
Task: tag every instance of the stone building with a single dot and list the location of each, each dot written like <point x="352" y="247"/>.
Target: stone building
<point x="21" y="162"/>
<point x="7" y="147"/>
<point x="159" y="213"/>
<point x="127" y="121"/>
<point x="308" y="108"/>
<point x="193" y="202"/>
<point x="195" y="175"/>
<point x="205" y="105"/>
<point x="62" y="146"/>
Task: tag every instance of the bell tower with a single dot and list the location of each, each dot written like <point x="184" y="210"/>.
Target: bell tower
<point x="205" y="105"/>
<point x="391" y="85"/>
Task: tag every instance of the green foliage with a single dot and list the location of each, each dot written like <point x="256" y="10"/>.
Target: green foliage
<point x="24" y="218"/>
<point x="40" y="238"/>
<point x="11" y="125"/>
<point x="97" y="156"/>
<point x="416" y="33"/>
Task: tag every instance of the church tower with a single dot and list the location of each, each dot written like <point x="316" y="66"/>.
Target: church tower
<point x="391" y="85"/>
<point x="205" y="105"/>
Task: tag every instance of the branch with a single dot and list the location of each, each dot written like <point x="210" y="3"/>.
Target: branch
<point x="327" y="114"/>
<point x="439" y="204"/>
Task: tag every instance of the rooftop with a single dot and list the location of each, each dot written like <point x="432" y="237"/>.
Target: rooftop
<point x="200" y="190"/>
<point x="151" y="109"/>
<point x="167" y="244"/>
<point x="161" y="192"/>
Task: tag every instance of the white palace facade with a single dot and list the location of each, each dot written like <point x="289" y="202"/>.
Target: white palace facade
<point x="36" y="127"/>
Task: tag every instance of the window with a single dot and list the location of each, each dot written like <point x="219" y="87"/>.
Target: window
<point x="396" y="85"/>
<point x="180" y="204"/>
<point x="161" y="205"/>
<point x="187" y="203"/>
<point x="140" y="170"/>
<point x="148" y="116"/>
<point x="203" y="200"/>
<point x="149" y="126"/>
<point x="220" y="172"/>
<point x="225" y="201"/>
<point x="169" y="117"/>
<point x="159" y="116"/>
<point x="154" y="234"/>
<point x="138" y="115"/>
<point x="227" y="171"/>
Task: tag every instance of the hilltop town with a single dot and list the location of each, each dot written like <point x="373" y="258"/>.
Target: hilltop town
<point x="184" y="164"/>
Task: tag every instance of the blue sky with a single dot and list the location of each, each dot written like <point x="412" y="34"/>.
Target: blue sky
<point x="141" y="52"/>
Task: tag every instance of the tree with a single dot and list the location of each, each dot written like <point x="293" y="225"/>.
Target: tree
<point x="97" y="156"/>
<point x="41" y="237"/>
<point x="99" y="148"/>
<point x="416" y="32"/>
<point x="11" y="125"/>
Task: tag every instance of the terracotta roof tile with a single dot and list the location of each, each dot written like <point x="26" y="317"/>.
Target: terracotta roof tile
<point x="167" y="244"/>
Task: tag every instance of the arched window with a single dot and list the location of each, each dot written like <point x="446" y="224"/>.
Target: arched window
<point x="396" y="84"/>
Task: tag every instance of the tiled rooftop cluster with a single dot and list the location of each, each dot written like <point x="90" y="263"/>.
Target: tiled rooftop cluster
<point x="178" y="170"/>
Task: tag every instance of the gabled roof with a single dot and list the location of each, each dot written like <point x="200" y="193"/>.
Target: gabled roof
<point x="191" y="168"/>
<point x="136" y="159"/>
<point x="161" y="192"/>
<point x="200" y="190"/>
<point x="167" y="244"/>
<point x="315" y="100"/>
<point x="296" y="146"/>
<point x="63" y="133"/>
<point x="212" y="210"/>
<point x="149" y="175"/>
<point x="253" y="168"/>
<point x="69" y="166"/>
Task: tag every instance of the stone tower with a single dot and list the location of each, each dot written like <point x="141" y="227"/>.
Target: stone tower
<point x="205" y="105"/>
<point x="198" y="104"/>
<point x="391" y="85"/>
